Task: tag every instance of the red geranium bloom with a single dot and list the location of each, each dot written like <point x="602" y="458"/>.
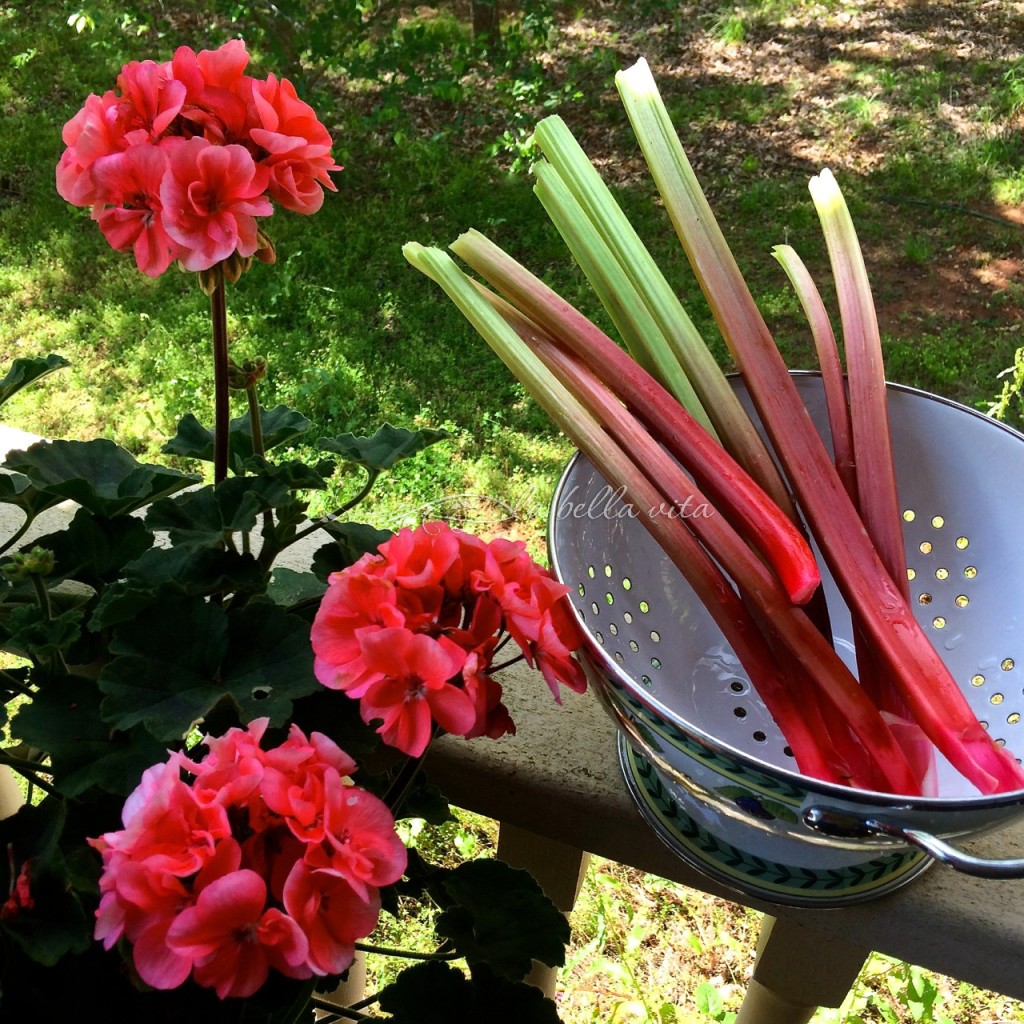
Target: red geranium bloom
<point x="150" y="101"/>
<point x="332" y="915"/>
<point x="234" y="940"/>
<point x="373" y="632"/>
<point x="415" y="690"/>
<point x="298" y="146"/>
<point x="359" y="843"/>
<point x="93" y="132"/>
<point x="356" y="604"/>
<point x="270" y="859"/>
<point x="199" y="205"/>
<point x="211" y="196"/>
<point x="129" y="211"/>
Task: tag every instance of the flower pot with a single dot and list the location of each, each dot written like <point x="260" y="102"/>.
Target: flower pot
<point x="707" y="765"/>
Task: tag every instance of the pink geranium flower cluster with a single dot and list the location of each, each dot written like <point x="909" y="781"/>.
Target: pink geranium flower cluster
<point x="411" y="632"/>
<point x="180" y="160"/>
<point x="263" y="859"/>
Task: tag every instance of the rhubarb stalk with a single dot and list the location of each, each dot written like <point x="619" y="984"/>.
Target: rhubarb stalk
<point x="832" y="377"/>
<point x="731" y="421"/>
<point x="613" y="287"/>
<point x="730" y="488"/>
<point x="919" y="672"/>
<point x="869" y="410"/>
<point x="704" y="576"/>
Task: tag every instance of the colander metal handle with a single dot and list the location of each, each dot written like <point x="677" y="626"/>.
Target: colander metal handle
<point x="831" y="821"/>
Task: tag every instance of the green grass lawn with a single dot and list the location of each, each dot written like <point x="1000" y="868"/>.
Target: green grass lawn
<point x="354" y="337"/>
<point x="917" y="108"/>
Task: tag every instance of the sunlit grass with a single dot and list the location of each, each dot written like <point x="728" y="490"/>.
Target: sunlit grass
<point x="355" y="338"/>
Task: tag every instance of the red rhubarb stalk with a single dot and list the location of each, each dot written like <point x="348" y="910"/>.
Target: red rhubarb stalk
<point x="729" y="486"/>
<point x="871" y="440"/>
<point x="647" y="500"/>
<point x="869" y="410"/>
<point x="832" y="377"/>
<point x="922" y="677"/>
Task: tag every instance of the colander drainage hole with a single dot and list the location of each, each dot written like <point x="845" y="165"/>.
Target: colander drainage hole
<point x="760" y="737"/>
<point x="740" y="712"/>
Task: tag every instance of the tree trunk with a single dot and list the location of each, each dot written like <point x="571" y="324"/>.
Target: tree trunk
<point x="486" y="23"/>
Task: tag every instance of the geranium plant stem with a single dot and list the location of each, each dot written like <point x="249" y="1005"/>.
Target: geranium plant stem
<point x="221" y="402"/>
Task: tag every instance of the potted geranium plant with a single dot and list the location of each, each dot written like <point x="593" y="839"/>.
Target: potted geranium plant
<point x="209" y="823"/>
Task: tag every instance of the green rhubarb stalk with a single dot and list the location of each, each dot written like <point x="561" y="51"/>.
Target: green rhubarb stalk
<point x="729" y="487"/>
<point x="683" y="340"/>
<point x="922" y="677"/>
<point x="646" y="500"/>
<point x="832" y="377"/>
<point x="628" y="312"/>
<point x="869" y="409"/>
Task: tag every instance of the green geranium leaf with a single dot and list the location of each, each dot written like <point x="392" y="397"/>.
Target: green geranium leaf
<point x="280" y="426"/>
<point x="295" y="475"/>
<point x="164" y="674"/>
<point x="57" y="923"/>
<point x="64" y="719"/>
<point x="32" y="633"/>
<point x="388" y="446"/>
<point x="192" y="440"/>
<point x="181" y="658"/>
<point x="352" y="541"/>
<point x="429" y="993"/>
<point x="197" y="570"/>
<point x="16" y="489"/>
<point x="500" y="916"/>
<point x="437" y="993"/>
<point x="288" y="587"/>
<point x="203" y="516"/>
<point x="270" y="662"/>
<point x="26" y="370"/>
<point x="95" y="549"/>
<point x="187" y="569"/>
<point x="98" y="475"/>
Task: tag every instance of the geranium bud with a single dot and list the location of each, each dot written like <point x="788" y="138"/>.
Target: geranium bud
<point x="235" y="266"/>
<point x="208" y="279"/>
<point x="35" y="562"/>
<point x="267" y="252"/>
<point x="247" y="375"/>
<point x="19" y="896"/>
